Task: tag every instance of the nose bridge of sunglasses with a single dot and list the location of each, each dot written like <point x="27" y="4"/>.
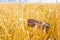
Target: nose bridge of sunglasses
<point x="41" y="23"/>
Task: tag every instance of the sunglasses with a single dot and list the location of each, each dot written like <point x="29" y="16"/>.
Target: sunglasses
<point x="32" y="23"/>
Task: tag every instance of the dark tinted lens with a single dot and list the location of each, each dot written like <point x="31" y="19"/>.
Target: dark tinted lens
<point x="31" y="22"/>
<point x="47" y="27"/>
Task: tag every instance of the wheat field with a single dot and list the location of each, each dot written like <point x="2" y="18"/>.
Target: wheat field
<point x="13" y="21"/>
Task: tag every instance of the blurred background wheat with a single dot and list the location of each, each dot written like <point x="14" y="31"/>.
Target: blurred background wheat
<point x="13" y="21"/>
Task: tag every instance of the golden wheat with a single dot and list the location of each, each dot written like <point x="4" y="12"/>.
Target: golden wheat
<point x="13" y="21"/>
